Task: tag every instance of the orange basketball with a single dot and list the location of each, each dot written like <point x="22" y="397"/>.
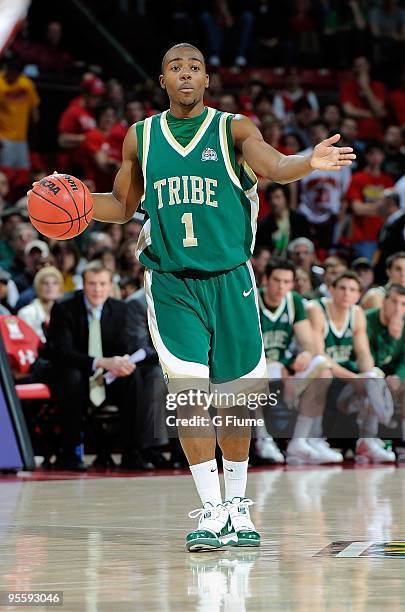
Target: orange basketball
<point x="60" y="206"/>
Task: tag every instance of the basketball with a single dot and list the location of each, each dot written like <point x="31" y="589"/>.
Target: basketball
<point x="60" y="206"/>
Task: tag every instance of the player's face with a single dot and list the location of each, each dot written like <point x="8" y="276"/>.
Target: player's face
<point x="97" y="287"/>
<point x="396" y="273"/>
<point x="278" y="285"/>
<point x="394" y="306"/>
<point x="184" y="76"/>
<point x="346" y="293"/>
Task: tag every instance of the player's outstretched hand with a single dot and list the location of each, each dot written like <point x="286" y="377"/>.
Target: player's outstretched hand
<point x="327" y="157"/>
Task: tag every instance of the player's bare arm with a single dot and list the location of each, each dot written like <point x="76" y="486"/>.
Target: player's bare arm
<point x="270" y="163"/>
<point x="361" y="344"/>
<point x="303" y="333"/>
<point x="317" y="320"/>
<point x="120" y="205"/>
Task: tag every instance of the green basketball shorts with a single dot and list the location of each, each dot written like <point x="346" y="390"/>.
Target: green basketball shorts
<point x="206" y="330"/>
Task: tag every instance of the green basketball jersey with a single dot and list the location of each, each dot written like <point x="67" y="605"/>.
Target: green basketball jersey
<point x="339" y="343"/>
<point x="278" y="326"/>
<point x="388" y="352"/>
<point x="201" y="205"/>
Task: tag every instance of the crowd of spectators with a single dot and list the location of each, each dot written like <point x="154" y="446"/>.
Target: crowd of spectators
<point x="323" y="222"/>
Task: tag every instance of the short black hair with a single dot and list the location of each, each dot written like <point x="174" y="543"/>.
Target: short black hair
<point x="275" y="187"/>
<point x="395" y="289"/>
<point x="277" y="263"/>
<point x="393" y="258"/>
<point x="300" y="105"/>
<point x="179" y="46"/>
<point x="350" y="275"/>
<point x="374" y="144"/>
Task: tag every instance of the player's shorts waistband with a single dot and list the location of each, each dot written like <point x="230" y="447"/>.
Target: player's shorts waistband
<point x="199" y="274"/>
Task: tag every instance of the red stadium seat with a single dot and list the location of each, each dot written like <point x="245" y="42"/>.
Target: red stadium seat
<point x="22" y="344"/>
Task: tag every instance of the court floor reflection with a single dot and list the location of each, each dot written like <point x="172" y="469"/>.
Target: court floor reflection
<point x="118" y="544"/>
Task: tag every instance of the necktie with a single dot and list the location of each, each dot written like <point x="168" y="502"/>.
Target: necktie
<point x="97" y="390"/>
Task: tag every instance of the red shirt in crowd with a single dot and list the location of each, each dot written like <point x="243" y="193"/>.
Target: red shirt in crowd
<point x="370" y="128"/>
<point x="111" y="145"/>
<point x="367" y="188"/>
<point x="75" y="119"/>
<point x="397" y="99"/>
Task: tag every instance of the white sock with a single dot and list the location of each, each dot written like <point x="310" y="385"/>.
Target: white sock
<point x="403" y="429"/>
<point x="316" y="431"/>
<point x="303" y="426"/>
<point x="235" y="476"/>
<point x="206" y="480"/>
<point x="370" y="427"/>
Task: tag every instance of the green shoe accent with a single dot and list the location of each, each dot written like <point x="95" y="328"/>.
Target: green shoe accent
<point x="201" y="539"/>
<point x="247" y="538"/>
<point x="228" y="534"/>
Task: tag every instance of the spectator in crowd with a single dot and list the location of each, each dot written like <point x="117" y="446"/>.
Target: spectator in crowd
<point x="51" y="56"/>
<point x="128" y="263"/>
<point x="284" y="101"/>
<point x="304" y="115"/>
<point x="22" y="235"/>
<point x="349" y="138"/>
<point x="4" y="191"/>
<point x="115" y="96"/>
<point x="67" y="255"/>
<point x="215" y="91"/>
<point x="260" y="259"/>
<point x="394" y="161"/>
<point x="293" y="143"/>
<point x="391" y="238"/>
<point x="11" y="218"/>
<point x="333" y="266"/>
<point x="36" y="254"/>
<point x="108" y="259"/>
<point x="129" y="286"/>
<point x="364" y="194"/>
<point x="395" y="271"/>
<point x="133" y="228"/>
<point x="218" y="20"/>
<point x="321" y="194"/>
<point x="19" y="104"/>
<point x="48" y="284"/>
<point x="5" y="308"/>
<point x="87" y="335"/>
<point x="303" y="283"/>
<point x="397" y="100"/>
<point x="364" y="270"/>
<point x="228" y="102"/>
<point x="332" y="117"/>
<point x="363" y="99"/>
<point x="263" y="106"/>
<point x="272" y="131"/>
<point x="101" y="158"/>
<point x="115" y="232"/>
<point x="302" y="252"/>
<point x="387" y="23"/>
<point x="77" y="120"/>
<point x="304" y="28"/>
<point x="281" y="225"/>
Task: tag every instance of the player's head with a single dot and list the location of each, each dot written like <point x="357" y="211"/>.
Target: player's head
<point x="394" y="303"/>
<point x="184" y="74"/>
<point x="395" y="267"/>
<point x="97" y="283"/>
<point x="346" y="289"/>
<point x="280" y="275"/>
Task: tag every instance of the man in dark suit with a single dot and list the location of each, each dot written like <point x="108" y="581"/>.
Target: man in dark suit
<point x="282" y="224"/>
<point x="391" y="238"/>
<point x="87" y="336"/>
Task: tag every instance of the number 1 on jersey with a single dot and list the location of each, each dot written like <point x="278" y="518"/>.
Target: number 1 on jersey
<point x="190" y="240"/>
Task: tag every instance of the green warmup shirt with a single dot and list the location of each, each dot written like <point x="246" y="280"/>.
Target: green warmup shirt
<point x="339" y="342"/>
<point x="388" y="352"/>
<point x="278" y="326"/>
<point x="201" y="205"/>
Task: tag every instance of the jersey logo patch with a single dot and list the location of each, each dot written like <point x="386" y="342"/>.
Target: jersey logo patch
<point x="284" y="318"/>
<point x="209" y="155"/>
<point x="348" y="334"/>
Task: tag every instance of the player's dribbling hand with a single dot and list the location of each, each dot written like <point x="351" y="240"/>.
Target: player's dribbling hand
<point x="327" y="157"/>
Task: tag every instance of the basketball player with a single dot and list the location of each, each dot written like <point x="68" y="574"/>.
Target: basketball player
<point x="340" y="331"/>
<point x="190" y="167"/>
<point x="284" y="320"/>
<point x="386" y="334"/>
<point x="395" y="268"/>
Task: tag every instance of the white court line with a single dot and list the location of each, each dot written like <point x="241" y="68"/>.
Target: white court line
<point x="354" y="549"/>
